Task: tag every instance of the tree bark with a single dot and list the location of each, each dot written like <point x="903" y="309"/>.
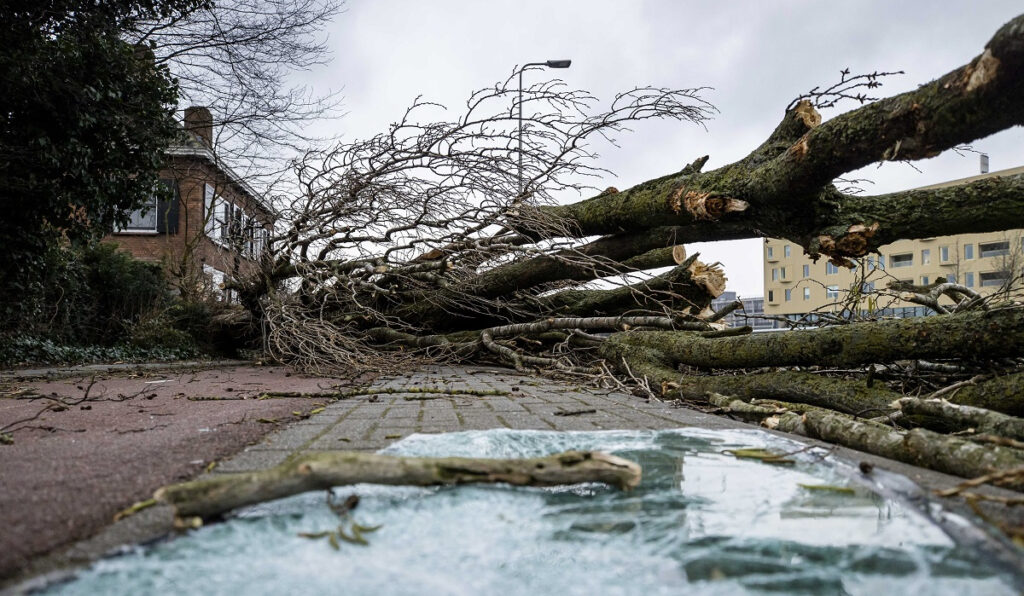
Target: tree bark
<point x="218" y="494"/>
<point x="572" y="265"/>
<point x="987" y="334"/>
<point x="783" y="188"/>
<point x="849" y="396"/>
<point x="919" y="447"/>
<point x="1002" y="394"/>
<point x="690" y="286"/>
<point x="963" y="417"/>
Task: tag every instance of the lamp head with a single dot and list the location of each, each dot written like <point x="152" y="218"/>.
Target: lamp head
<point x="558" y="63"/>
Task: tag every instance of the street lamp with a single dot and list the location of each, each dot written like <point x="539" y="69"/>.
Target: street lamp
<point x="549" y="64"/>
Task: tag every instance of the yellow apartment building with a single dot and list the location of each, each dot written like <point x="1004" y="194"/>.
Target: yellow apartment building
<point x="795" y="286"/>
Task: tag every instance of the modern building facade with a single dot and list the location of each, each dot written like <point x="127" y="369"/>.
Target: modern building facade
<point x="210" y="226"/>
<point x="751" y="314"/>
<point x="794" y="285"/>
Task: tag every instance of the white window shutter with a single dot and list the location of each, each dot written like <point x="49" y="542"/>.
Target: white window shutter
<point x="209" y="212"/>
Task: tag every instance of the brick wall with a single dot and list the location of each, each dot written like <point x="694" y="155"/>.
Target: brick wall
<point x="184" y="253"/>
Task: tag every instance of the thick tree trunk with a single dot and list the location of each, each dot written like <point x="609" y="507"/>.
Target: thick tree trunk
<point x="783" y="188"/>
<point x="216" y="495"/>
<point x="841" y="394"/>
<point x="987" y="334"/>
<point x="648" y="249"/>
<point x="690" y="287"/>
<point x="920" y="447"/>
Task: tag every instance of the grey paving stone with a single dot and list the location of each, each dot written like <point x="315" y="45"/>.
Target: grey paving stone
<point x="480" y="421"/>
<point x="368" y="411"/>
<point x="641" y="420"/>
<point x="293" y="437"/>
<point x="439" y="414"/>
<point x="430" y="428"/>
<point x="350" y="430"/>
<point x="498" y="404"/>
<point x="389" y="435"/>
<point x="524" y="421"/>
<point x="403" y="411"/>
<point x="249" y="461"/>
<point x="339" y="408"/>
<point x="571" y="423"/>
<point x="463" y="406"/>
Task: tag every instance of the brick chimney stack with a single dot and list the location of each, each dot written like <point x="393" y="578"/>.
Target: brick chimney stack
<point x="199" y="120"/>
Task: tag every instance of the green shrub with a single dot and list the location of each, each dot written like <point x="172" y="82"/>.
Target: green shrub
<point x="19" y="350"/>
<point x="87" y="295"/>
<point x="158" y="332"/>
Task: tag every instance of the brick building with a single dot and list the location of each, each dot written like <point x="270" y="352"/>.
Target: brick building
<point x="212" y="226"/>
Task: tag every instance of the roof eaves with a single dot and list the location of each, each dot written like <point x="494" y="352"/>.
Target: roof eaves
<point x="203" y="152"/>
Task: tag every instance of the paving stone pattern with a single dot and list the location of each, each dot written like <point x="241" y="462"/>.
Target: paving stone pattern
<point x="467" y="398"/>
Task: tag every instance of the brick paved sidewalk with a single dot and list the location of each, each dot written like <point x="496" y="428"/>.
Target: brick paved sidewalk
<point x="467" y="398"/>
<point x="432" y="400"/>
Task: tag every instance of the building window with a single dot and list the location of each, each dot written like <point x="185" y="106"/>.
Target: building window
<point x="968" y="251"/>
<point x="143" y="219"/>
<point x="944" y="254"/>
<point x="993" y="249"/>
<point x="786" y="250"/>
<point x="867" y="287"/>
<point x="881" y="262"/>
<point x="924" y="280"/>
<point x="211" y="216"/>
<point x="831" y="269"/>
<point x="969" y="279"/>
<point x="871" y="263"/>
<point x="903" y="260"/>
<point x="807" y="293"/>
<point x="775" y="274"/>
<point x="950" y="278"/>
<point x="831" y="291"/>
<point x="926" y="256"/>
<point x="783" y="273"/>
<point x="771" y="296"/>
<point x="807" y="270"/>
<point x="993" y="278"/>
<point x="770" y="252"/>
<point x="789" y="295"/>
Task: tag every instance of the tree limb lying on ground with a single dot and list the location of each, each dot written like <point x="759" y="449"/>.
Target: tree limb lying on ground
<point x="215" y="495"/>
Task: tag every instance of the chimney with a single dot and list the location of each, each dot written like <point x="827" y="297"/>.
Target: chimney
<point x="199" y="120"/>
<point x="984" y="163"/>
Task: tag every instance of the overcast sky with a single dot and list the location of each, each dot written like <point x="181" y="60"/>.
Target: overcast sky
<point x="755" y="55"/>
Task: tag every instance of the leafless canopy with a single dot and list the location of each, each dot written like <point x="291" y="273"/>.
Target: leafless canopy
<point x="396" y="230"/>
<point x="235" y="57"/>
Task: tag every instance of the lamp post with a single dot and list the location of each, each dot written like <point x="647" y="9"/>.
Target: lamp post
<point x="549" y="64"/>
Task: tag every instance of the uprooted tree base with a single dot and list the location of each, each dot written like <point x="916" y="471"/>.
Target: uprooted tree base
<point x="428" y="243"/>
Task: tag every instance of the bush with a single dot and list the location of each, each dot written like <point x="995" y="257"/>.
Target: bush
<point x="88" y="295"/>
<point x="19" y="350"/>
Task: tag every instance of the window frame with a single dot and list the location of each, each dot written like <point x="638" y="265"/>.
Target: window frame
<point x="998" y="252"/>
<point x="898" y="261"/>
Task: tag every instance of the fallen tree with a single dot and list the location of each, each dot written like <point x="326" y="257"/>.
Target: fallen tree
<point x="427" y="242"/>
